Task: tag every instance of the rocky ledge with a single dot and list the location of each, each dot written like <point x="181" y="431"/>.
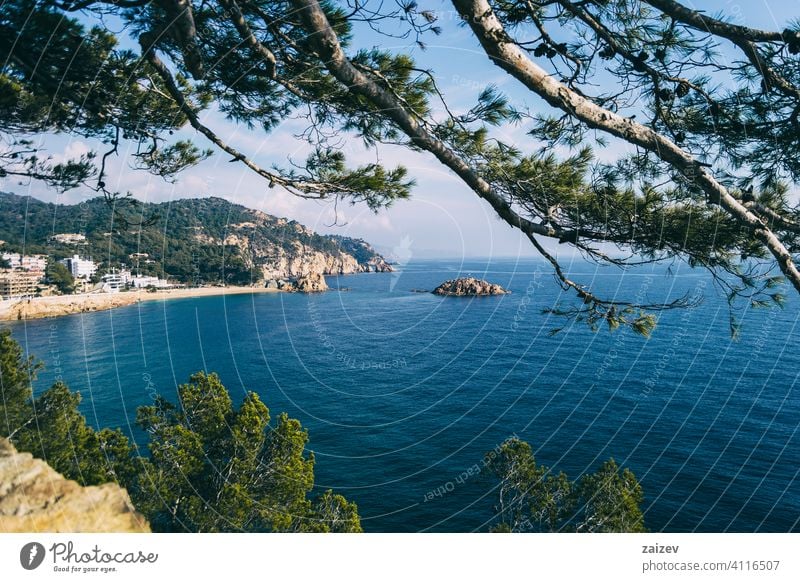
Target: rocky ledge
<point x="55" y="305"/>
<point x="309" y="283"/>
<point x="376" y="265"/>
<point x="34" y="498"/>
<point x="468" y="287"/>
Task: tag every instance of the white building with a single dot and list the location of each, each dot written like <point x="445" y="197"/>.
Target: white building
<point x="142" y="282"/>
<point x="69" y="238"/>
<point x="79" y="267"/>
<point x="26" y="262"/>
<point x="116" y="281"/>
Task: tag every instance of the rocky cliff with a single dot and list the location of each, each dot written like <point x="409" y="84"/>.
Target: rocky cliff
<point x="304" y="253"/>
<point x="34" y="498"/>
<point x="193" y="241"/>
<point x="298" y="260"/>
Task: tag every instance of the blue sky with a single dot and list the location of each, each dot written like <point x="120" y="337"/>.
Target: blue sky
<point x="443" y="218"/>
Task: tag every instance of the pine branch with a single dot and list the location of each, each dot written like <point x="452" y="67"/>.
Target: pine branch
<point x="506" y="54"/>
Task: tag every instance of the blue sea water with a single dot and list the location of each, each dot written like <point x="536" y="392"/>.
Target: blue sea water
<point x="404" y="392"/>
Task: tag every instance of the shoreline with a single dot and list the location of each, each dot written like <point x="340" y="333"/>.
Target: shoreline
<point x="59" y="305"/>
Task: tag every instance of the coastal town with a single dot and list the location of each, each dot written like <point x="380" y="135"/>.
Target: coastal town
<point x="33" y="286"/>
<point x="24" y="276"/>
<point x="75" y="258"/>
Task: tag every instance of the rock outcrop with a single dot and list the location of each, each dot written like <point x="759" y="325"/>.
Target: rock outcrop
<point x="311" y="283"/>
<point x="376" y="265"/>
<point x="300" y="259"/>
<point x="286" y="263"/>
<point x="55" y="305"/>
<point x="35" y="498"/>
<point x="368" y="259"/>
<point x="308" y="283"/>
<point x="468" y="287"/>
<point x="299" y="250"/>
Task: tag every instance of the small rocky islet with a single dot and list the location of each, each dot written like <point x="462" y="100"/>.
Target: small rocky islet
<point x="308" y="283"/>
<point x="469" y="287"/>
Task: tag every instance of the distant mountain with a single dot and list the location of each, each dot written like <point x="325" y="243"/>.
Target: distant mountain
<point x="196" y="240"/>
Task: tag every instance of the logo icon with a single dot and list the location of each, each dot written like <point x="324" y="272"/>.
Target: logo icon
<point x="401" y="254"/>
<point x="31" y="555"/>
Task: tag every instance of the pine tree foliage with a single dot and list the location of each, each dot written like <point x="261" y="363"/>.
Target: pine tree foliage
<point x="706" y="111"/>
<point x="533" y="498"/>
<point x="209" y="467"/>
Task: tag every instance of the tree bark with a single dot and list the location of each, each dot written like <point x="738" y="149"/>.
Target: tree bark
<point x="328" y="48"/>
<point x="507" y="55"/>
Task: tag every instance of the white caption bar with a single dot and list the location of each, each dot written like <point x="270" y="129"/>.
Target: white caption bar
<point x="411" y="557"/>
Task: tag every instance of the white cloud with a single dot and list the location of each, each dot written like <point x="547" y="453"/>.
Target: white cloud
<point x="74" y="150"/>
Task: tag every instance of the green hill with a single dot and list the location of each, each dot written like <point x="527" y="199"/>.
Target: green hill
<point x="195" y="241"/>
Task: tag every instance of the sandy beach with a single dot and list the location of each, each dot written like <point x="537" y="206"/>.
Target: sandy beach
<point x="54" y="306"/>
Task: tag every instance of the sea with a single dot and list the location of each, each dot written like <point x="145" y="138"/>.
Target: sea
<point x="404" y="392"/>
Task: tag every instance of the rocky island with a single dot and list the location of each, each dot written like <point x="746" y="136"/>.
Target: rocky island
<point x="468" y="287"/>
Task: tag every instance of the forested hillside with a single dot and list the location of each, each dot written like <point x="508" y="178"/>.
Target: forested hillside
<point x="195" y="241"/>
